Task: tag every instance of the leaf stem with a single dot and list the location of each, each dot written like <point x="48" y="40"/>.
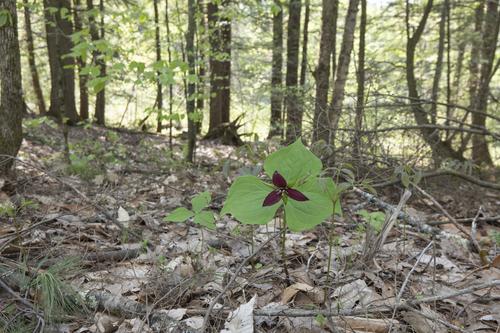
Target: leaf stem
<point x="283" y="249"/>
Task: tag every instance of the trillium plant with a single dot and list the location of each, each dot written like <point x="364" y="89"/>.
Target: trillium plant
<point x="306" y="198"/>
<point x="199" y="214"/>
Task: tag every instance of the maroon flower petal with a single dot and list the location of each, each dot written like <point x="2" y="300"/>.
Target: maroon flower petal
<point x="272" y="198"/>
<point x="278" y="180"/>
<point x="296" y="195"/>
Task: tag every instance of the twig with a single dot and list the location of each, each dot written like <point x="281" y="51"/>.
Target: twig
<point x="451" y="218"/>
<point x="448" y="172"/>
<point x="407" y="278"/>
<point x="231" y="281"/>
<point x="372" y="248"/>
<point x="439" y="320"/>
<point x="25" y="302"/>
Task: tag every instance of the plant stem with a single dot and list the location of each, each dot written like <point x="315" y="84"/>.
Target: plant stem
<point x="283" y="250"/>
<point x="329" y="267"/>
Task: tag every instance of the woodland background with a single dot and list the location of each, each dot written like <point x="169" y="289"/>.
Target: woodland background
<point x="115" y="112"/>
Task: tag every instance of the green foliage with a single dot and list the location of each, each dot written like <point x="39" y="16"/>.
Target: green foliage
<point x="200" y="216"/>
<point x="5" y="18"/>
<point x="54" y="297"/>
<point x="374" y="219"/>
<point x="81" y="166"/>
<point x="300" y="168"/>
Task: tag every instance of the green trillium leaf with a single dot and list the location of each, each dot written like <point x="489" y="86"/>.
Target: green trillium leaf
<point x="333" y="192"/>
<point x="201" y="201"/>
<point x="205" y="219"/>
<point x="294" y="162"/>
<point x="180" y="214"/>
<point x="245" y="198"/>
<point x="302" y="215"/>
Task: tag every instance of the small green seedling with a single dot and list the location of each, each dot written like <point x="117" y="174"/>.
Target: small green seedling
<point x="375" y="219"/>
<point x="200" y="216"/>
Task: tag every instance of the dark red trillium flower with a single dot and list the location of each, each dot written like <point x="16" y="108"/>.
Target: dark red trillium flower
<point x="281" y="188"/>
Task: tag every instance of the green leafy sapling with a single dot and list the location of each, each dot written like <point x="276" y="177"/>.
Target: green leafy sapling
<point x="200" y="216"/>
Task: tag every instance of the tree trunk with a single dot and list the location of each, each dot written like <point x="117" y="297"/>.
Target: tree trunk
<point x="159" y="94"/>
<point x="200" y="87"/>
<point x="35" y="80"/>
<point x="480" y="151"/>
<point x="322" y="73"/>
<point x="276" y="123"/>
<point x="335" y="108"/>
<point x="440" y="149"/>
<point x="59" y="30"/>
<point x="305" y="38"/>
<point x="220" y="63"/>
<point x="360" y="100"/>
<point x="11" y="91"/>
<point x="191" y="88"/>
<point x="439" y="63"/>
<point x="100" y="100"/>
<point x="81" y="62"/>
<point x="170" y="86"/>
<point x="293" y="109"/>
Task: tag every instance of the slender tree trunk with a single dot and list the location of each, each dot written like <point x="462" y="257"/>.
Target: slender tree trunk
<point x="11" y="91"/>
<point x="276" y="125"/>
<point x="35" y="80"/>
<point x="322" y="73"/>
<point x="220" y="63"/>
<point x="170" y="86"/>
<point x="480" y="151"/>
<point x="440" y="149"/>
<point x="439" y="63"/>
<point x="360" y="101"/>
<point x="305" y="40"/>
<point x="59" y="30"/>
<point x="200" y="87"/>
<point x="335" y="109"/>
<point x="190" y="52"/>
<point x="293" y="109"/>
<point x="81" y="62"/>
<point x="100" y="100"/>
<point x="159" y="89"/>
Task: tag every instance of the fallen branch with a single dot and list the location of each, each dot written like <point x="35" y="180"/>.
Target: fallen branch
<point x="430" y="174"/>
<point x="451" y="218"/>
<point x="124" y="307"/>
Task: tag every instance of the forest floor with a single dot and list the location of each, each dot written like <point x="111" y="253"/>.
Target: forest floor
<point x="98" y="227"/>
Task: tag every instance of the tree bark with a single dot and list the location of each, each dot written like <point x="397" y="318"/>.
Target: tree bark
<point x="322" y="73"/>
<point x="35" y="80"/>
<point x="59" y="30"/>
<point x="480" y="151"/>
<point x="335" y="109"/>
<point x="201" y="39"/>
<point x="81" y="62"/>
<point x="191" y="87"/>
<point x="100" y="100"/>
<point x="11" y="91"/>
<point x="170" y="86"/>
<point x="440" y="149"/>
<point x="220" y="63"/>
<point x="360" y="100"/>
<point x="293" y="109"/>
<point x="276" y="123"/>
<point x="439" y="63"/>
<point x="305" y="41"/>
<point x="159" y="93"/>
